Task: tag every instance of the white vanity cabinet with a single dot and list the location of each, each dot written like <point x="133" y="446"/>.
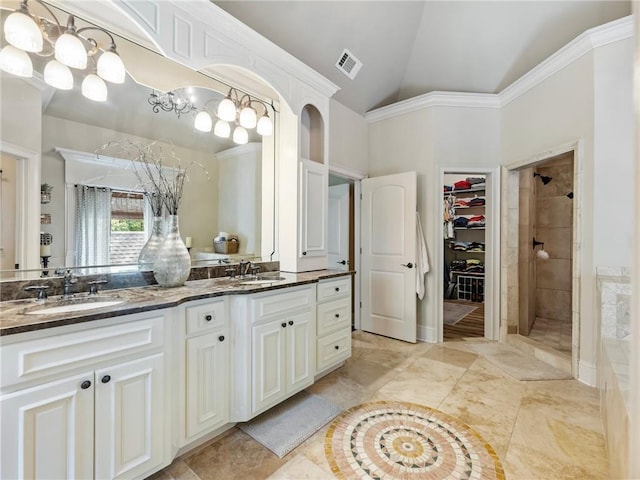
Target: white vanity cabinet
<point x="333" y="322"/>
<point x="86" y="402"/>
<point x="274" y="349"/>
<point x="205" y="353"/>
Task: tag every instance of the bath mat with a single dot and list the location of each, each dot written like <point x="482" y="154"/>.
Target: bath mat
<point x="517" y="364"/>
<point x="390" y="439"/>
<point x="452" y="313"/>
<point x="287" y="425"/>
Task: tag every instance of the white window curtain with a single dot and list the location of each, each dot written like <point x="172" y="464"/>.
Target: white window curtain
<point x="93" y="225"/>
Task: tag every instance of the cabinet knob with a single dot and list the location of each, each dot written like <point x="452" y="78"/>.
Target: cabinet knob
<point x="105" y="379"/>
<point x="337" y="289"/>
<point x="208" y="318"/>
<point x="337" y="315"/>
<point x="337" y="347"/>
<point x="290" y="322"/>
<point x="304" y="253"/>
<point x="221" y="338"/>
<point x="86" y="384"/>
<point x="284" y="324"/>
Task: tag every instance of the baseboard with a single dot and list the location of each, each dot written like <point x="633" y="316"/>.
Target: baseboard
<point x="427" y="334"/>
<point x="588" y="373"/>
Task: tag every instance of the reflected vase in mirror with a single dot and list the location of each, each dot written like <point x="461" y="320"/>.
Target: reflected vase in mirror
<point x="172" y="264"/>
<point x="150" y="250"/>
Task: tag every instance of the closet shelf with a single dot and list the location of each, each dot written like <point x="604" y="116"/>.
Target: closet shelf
<point x="468" y="228"/>
<point x="472" y="274"/>
<point x="469" y="190"/>
<point x="473" y="206"/>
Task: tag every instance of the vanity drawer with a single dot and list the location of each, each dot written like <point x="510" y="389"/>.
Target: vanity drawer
<point x="334" y="316"/>
<point x="269" y="305"/>
<point x="46" y="357"/>
<point x="333" y="349"/>
<point x="333" y="289"/>
<point x="206" y="316"/>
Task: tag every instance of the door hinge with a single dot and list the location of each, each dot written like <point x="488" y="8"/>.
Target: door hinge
<point x="360" y="304"/>
<point x="360" y="249"/>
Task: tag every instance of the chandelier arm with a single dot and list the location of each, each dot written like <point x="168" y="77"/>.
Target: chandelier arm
<point x="46" y="7"/>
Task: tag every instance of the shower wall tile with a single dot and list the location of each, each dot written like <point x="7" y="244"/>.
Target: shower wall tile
<point x="554" y="274"/>
<point x="557" y="241"/>
<point x="554" y="212"/>
<point x="553" y="304"/>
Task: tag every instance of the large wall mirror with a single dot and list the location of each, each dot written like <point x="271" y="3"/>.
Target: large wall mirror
<point x="225" y="191"/>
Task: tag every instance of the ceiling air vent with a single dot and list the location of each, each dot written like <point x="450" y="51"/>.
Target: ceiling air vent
<point x="348" y="64"/>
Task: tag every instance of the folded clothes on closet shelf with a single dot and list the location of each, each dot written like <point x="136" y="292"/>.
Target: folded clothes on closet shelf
<point x="467" y="246"/>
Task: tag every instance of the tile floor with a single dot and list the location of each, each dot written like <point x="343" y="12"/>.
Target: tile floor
<point x="546" y="429"/>
<point x="553" y="333"/>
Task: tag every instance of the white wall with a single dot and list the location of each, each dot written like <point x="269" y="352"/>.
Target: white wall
<point x="423" y="141"/>
<point x="348" y="139"/>
<point x="613" y="150"/>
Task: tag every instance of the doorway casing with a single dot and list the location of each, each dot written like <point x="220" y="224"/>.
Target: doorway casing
<point x="509" y="258"/>
<point x="492" y="249"/>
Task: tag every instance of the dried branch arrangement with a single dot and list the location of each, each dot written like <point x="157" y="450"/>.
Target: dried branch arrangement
<point x="159" y="171"/>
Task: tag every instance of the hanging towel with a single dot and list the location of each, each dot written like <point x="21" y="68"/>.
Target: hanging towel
<point x="422" y="258"/>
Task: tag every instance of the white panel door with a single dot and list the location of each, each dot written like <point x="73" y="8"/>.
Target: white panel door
<point x="313" y="213"/>
<point x="301" y="351"/>
<point x="388" y="223"/>
<point x="47" y="431"/>
<point x="129" y="418"/>
<point x="207" y="389"/>
<point x="338" y="229"/>
<point x="268" y="364"/>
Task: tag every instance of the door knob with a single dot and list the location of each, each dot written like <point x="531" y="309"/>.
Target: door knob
<point x="408" y="265"/>
<point x="343" y="262"/>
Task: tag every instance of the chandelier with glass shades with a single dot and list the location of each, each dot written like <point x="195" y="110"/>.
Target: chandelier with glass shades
<point x="240" y="111"/>
<point x="27" y="34"/>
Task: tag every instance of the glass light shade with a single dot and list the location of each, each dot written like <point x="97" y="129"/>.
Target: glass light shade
<point x="22" y="32"/>
<point x="227" y="110"/>
<point x="203" y="122"/>
<point x="58" y="75"/>
<point x="240" y="135"/>
<point x="248" y="117"/>
<point x="265" y="126"/>
<point x="94" y="88"/>
<point x="70" y="51"/>
<point x="222" y="129"/>
<point x="111" y="68"/>
<point x="15" y="61"/>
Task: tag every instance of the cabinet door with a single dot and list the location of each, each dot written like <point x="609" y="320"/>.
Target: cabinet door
<point x="47" y="431"/>
<point x="268" y="364"/>
<point x="313" y="209"/>
<point x="129" y="411"/>
<point x="301" y="348"/>
<point x="207" y="389"/>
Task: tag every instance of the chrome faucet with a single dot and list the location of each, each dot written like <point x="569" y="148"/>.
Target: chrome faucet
<point x="69" y="280"/>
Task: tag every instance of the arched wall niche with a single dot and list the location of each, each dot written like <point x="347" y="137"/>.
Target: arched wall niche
<point x="312" y="133"/>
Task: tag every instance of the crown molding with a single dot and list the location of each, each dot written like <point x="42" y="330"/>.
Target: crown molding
<point x="434" y="99"/>
<point x="584" y="43"/>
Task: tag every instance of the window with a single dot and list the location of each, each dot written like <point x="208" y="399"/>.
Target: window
<point x="127" y="226"/>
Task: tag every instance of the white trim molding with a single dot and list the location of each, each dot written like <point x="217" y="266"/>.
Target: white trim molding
<point x="434" y="99"/>
<point x="591" y="39"/>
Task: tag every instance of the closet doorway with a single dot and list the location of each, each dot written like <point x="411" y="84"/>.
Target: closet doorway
<point x="464" y="204"/>
<point x="469" y="293"/>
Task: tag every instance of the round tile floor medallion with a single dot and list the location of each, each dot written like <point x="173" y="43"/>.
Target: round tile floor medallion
<point x="399" y="440"/>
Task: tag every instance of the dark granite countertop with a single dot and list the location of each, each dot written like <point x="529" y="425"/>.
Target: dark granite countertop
<point x="15" y="319"/>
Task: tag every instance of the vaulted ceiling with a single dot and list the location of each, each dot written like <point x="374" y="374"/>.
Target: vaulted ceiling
<point x="409" y="48"/>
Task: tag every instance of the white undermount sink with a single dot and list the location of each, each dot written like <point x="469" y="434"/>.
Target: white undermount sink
<point x="87" y="304"/>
